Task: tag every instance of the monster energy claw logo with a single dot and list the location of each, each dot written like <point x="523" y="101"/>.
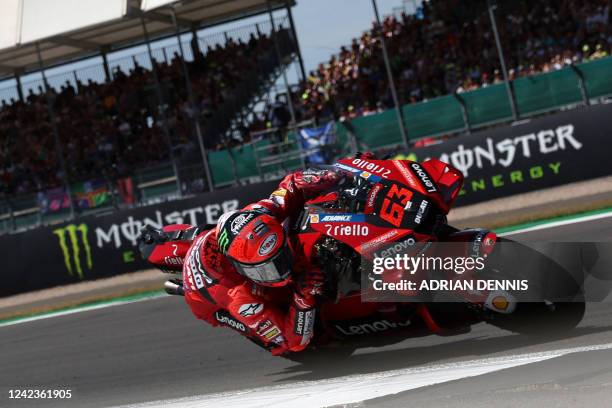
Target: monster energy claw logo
<point x="223" y="241"/>
<point x="73" y="253"/>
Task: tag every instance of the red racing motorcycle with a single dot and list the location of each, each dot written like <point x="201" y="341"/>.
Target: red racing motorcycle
<point x="387" y="208"/>
<point x="391" y="207"/>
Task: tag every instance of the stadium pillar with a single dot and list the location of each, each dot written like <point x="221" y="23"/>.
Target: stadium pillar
<point x="295" y="38"/>
<point x="55" y="131"/>
<point x="502" y="60"/>
<point x="581" y="82"/>
<point x="107" y="73"/>
<point x="279" y="58"/>
<point x="195" y="111"/>
<point x="19" y="86"/>
<point x="161" y="107"/>
<point x="398" y="108"/>
<point x="464" y="113"/>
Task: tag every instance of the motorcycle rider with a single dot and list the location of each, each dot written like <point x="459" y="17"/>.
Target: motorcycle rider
<point x="246" y="273"/>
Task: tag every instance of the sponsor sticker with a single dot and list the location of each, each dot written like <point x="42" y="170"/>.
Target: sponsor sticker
<point x="347" y="230"/>
<point x="240" y="221"/>
<point x="371" y="168"/>
<point x="501" y="302"/>
<point x="314" y="218"/>
<point x="271" y="333"/>
<point x="226" y="319"/>
<point x="223" y="241"/>
<point x="309" y="317"/>
<point x="336" y="218"/>
<point x="370" y="327"/>
<point x="263" y="326"/>
<point x="428" y="183"/>
<point x="300" y="303"/>
<point x="298" y="325"/>
<point x="196" y="267"/>
<point x="268" y="245"/>
<point x="400" y="247"/>
<point x="250" y="309"/>
<point x="418" y="218"/>
<point x="173" y="260"/>
<point x="371" y="201"/>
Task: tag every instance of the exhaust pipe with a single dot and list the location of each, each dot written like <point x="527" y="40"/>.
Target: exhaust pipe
<point x="174" y="287"/>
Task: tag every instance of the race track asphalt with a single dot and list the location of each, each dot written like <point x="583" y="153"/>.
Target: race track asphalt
<point x="154" y="350"/>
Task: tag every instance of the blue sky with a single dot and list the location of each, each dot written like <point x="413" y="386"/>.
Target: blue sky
<point x="325" y="25"/>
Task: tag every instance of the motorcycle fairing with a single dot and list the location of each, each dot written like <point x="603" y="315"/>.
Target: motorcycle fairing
<point x="362" y="232"/>
<point x="437" y="180"/>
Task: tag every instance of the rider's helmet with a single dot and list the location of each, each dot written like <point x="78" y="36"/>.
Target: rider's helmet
<point x="256" y="244"/>
<point x="167" y="247"/>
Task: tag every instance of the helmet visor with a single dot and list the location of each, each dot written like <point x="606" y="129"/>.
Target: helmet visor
<point x="276" y="270"/>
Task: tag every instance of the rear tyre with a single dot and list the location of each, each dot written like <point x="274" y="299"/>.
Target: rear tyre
<point x="542" y="319"/>
<point x="565" y="306"/>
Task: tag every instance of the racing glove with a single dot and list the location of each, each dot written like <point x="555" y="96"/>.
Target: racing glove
<point x="309" y="286"/>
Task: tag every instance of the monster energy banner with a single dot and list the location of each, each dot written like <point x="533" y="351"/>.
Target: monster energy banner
<point x="544" y="152"/>
<point x="96" y="247"/>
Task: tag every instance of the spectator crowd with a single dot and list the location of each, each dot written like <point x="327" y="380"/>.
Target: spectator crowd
<point x="449" y="47"/>
<point x="112" y="128"/>
<point x="109" y="129"/>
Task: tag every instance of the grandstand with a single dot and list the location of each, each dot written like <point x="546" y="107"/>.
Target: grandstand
<point x="443" y="59"/>
<point x="114" y="115"/>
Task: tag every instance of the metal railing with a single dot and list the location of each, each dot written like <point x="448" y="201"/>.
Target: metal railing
<point x="126" y="60"/>
<point x="566" y="88"/>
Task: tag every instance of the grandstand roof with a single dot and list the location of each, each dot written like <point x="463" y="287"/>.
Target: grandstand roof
<point x="67" y="32"/>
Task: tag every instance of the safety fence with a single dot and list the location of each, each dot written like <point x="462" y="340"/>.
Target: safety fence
<point x="463" y="112"/>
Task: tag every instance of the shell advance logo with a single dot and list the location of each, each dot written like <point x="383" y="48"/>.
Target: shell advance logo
<point x="317" y="218"/>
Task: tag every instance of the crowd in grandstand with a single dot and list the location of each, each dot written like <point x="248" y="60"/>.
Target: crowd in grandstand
<point x="109" y="129"/>
<point x="450" y="47"/>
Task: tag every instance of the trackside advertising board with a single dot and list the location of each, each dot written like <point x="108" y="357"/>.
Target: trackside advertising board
<point x="545" y="152"/>
<point x="97" y="247"/>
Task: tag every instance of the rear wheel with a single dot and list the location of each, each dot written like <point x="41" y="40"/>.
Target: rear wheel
<point x="534" y="314"/>
<point x="542" y="319"/>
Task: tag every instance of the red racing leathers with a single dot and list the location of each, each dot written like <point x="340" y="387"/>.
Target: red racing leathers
<point x="279" y="319"/>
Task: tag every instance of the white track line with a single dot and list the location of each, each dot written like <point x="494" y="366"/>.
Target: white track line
<point x="357" y="388"/>
<point x="79" y="309"/>
<point x="554" y="224"/>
